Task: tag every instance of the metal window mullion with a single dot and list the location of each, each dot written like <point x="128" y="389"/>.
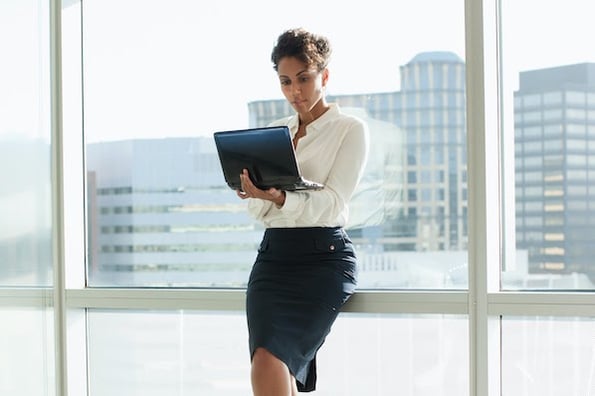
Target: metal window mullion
<point x="365" y="301"/>
<point x="59" y="303"/>
<point x="478" y="224"/>
<point x="545" y="303"/>
<point x="514" y="303"/>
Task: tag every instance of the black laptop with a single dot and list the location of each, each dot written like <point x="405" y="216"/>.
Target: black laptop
<point x="267" y="153"/>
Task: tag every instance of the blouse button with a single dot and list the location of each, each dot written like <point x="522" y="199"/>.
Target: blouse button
<point x="332" y="247"/>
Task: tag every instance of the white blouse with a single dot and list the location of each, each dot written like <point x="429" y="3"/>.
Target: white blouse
<point x="333" y="152"/>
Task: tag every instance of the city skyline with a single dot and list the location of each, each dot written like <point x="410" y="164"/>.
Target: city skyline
<point x="430" y="213"/>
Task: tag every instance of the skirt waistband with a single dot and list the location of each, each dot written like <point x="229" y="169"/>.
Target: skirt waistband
<point x="304" y="232"/>
<point x="303" y="240"/>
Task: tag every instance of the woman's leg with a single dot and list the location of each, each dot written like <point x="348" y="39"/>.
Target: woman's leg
<point x="270" y="376"/>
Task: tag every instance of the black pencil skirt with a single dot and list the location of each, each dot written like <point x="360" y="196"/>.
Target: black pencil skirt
<point x="299" y="281"/>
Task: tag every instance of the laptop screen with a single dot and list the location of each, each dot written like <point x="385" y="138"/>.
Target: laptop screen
<point x="266" y="152"/>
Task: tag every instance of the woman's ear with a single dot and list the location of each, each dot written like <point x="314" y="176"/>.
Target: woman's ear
<point x="325" y="74"/>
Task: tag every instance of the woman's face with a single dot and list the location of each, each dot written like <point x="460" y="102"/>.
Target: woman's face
<point x="302" y="86"/>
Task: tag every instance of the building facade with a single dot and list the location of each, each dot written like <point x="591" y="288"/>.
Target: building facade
<point x="554" y="127"/>
<point x="159" y="214"/>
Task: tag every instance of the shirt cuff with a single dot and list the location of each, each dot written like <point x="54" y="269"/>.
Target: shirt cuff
<point x="292" y="201"/>
<point x="255" y="206"/>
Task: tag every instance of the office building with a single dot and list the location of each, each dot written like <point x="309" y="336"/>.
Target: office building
<point x="159" y="213"/>
<point x="554" y="128"/>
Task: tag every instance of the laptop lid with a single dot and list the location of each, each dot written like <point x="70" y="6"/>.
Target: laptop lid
<point x="266" y="152"/>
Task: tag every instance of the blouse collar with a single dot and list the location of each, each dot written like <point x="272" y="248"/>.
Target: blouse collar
<point x="318" y="123"/>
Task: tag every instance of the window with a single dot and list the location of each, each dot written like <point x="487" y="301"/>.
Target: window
<point x="556" y="350"/>
<point x="150" y="166"/>
<point x="436" y="321"/>
<point x="561" y="77"/>
<point x="552" y="98"/>
<point x="576" y="114"/>
<point x="575" y="98"/>
<point x="158" y="354"/>
<point x="26" y="196"/>
<point x="552" y="115"/>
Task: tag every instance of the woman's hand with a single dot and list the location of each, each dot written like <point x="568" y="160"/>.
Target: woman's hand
<point x="249" y="190"/>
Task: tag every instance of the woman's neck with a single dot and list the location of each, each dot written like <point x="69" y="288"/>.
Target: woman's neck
<point x="318" y="110"/>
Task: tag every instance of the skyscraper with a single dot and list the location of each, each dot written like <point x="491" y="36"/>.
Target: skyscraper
<point x="433" y="115"/>
<point x="555" y="168"/>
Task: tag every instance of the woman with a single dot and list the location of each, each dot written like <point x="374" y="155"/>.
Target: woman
<point x="305" y="269"/>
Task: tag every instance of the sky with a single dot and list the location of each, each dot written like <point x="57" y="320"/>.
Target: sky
<point x="203" y="65"/>
<point x="188" y="68"/>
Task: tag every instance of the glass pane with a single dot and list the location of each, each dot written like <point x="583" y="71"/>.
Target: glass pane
<point x="549" y="131"/>
<point x="25" y="194"/>
<point x="157" y="353"/>
<point x="73" y="180"/>
<point x="161" y="80"/>
<point x="27" y="358"/>
<point x="163" y="353"/>
<point x="425" y="355"/>
<point x="548" y="356"/>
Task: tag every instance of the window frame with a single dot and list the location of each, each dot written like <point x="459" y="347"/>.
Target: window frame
<point x="484" y="302"/>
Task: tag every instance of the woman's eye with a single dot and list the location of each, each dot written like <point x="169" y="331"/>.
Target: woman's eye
<point x="284" y="82"/>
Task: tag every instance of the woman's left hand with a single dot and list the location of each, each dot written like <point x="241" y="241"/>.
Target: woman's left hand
<point x="249" y="190"/>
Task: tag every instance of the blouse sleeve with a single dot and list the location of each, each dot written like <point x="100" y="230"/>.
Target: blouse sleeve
<point x="258" y="208"/>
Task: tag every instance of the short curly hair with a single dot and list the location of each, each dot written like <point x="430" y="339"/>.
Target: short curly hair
<point x="310" y="48"/>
